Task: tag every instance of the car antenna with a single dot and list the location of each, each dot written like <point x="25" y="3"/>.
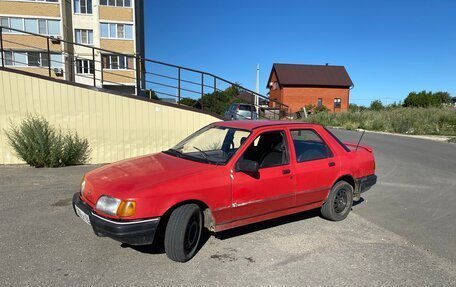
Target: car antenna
<point x="360" y="140"/>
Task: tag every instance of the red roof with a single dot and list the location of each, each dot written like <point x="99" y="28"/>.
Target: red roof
<point x="254" y="124"/>
<point x="311" y="75"/>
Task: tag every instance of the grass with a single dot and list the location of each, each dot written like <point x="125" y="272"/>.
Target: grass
<point x="414" y="121"/>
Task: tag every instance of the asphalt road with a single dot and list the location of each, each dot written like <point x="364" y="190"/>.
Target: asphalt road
<point x="402" y="233"/>
<point x="416" y="192"/>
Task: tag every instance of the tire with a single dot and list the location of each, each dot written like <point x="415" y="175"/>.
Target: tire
<point x="339" y="202"/>
<point x="183" y="232"/>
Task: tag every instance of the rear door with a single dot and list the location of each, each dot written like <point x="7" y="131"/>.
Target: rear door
<point x="316" y="166"/>
<point x="272" y="188"/>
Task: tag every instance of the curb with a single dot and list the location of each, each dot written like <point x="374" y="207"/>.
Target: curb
<point x="426" y="137"/>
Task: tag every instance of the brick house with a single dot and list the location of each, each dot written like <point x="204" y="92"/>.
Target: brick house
<point x="299" y="85"/>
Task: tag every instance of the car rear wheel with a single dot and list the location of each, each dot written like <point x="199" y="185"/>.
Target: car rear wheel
<point x="183" y="232"/>
<point x="339" y="202"/>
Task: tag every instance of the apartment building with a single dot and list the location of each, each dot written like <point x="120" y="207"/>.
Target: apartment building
<point x="112" y="25"/>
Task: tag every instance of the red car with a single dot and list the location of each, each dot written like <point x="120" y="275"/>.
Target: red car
<point x="227" y="174"/>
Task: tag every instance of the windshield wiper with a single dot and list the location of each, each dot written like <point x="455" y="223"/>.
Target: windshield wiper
<point x="206" y="157"/>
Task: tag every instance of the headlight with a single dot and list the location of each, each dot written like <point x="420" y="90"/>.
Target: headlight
<point x="114" y="206"/>
<point x="108" y="205"/>
<point x="83" y="184"/>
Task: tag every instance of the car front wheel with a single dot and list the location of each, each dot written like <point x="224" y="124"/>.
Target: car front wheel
<point x="339" y="202"/>
<point x="183" y="232"/>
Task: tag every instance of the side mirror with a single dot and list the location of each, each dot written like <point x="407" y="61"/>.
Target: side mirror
<point x="246" y="165"/>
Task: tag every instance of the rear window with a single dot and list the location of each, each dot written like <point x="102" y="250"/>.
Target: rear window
<point x="245" y="108"/>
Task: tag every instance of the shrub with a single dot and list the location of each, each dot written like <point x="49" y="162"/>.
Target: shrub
<point x="39" y="144"/>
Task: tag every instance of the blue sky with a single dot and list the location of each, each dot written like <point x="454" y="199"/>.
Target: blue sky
<point x="389" y="48"/>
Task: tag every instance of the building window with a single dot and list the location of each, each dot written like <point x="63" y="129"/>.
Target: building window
<point x="116" y="31"/>
<point x="320" y="102"/>
<point x="17" y="23"/>
<point x="32" y="59"/>
<point x="42" y="26"/>
<point x="9" y="58"/>
<point x="116" y="62"/>
<point x="84" y="67"/>
<point x="337" y="103"/>
<point x="38" y="26"/>
<point x="116" y="3"/>
<point x="274" y="85"/>
<point x="84" y="36"/>
<point x="31" y="25"/>
<point x="82" y="6"/>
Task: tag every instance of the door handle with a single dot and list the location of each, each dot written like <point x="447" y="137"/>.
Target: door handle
<point x="286" y="171"/>
<point x="331" y="164"/>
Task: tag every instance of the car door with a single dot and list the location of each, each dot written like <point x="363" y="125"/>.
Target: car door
<point x="272" y="187"/>
<point x="316" y="166"/>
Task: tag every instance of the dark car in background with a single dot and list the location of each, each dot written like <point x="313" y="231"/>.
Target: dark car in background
<point x="238" y="111"/>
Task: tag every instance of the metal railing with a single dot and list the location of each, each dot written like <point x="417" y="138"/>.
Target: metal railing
<point x="129" y="73"/>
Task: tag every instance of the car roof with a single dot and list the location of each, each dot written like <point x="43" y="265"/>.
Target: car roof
<point x="254" y="124"/>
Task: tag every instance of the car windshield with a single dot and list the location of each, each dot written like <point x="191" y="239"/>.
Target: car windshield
<point x="212" y="144"/>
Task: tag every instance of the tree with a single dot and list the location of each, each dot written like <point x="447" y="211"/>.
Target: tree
<point x="426" y="99"/>
<point x="444" y="97"/>
<point x="376" y="105"/>
<point x="188" y="102"/>
<point x="219" y="101"/>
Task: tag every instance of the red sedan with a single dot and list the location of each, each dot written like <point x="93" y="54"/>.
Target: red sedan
<point x="227" y="174"/>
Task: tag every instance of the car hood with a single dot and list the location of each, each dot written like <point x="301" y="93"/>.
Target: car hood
<point x="126" y="178"/>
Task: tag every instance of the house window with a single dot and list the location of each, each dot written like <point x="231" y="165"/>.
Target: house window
<point x="116" y="3"/>
<point x="82" y="6"/>
<point x="116" y="62"/>
<point x="84" y="67"/>
<point x="320" y="102"/>
<point x="116" y="31"/>
<point x="274" y="85"/>
<point x="337" y="103"/>
<point x="84" y="36"/>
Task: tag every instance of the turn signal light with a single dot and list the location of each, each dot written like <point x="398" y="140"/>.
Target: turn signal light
<point x="126" y="208"/>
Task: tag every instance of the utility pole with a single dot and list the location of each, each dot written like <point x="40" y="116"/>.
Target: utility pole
<point x="257" y="87"/>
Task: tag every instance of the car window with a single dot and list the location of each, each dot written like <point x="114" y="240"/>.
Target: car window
<point x="245" y="108"/>
<point x="309" y="145"/>
<point x="268" y="149"/>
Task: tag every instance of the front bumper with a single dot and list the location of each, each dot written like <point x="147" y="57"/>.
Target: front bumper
<point x="139" y="232"/>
